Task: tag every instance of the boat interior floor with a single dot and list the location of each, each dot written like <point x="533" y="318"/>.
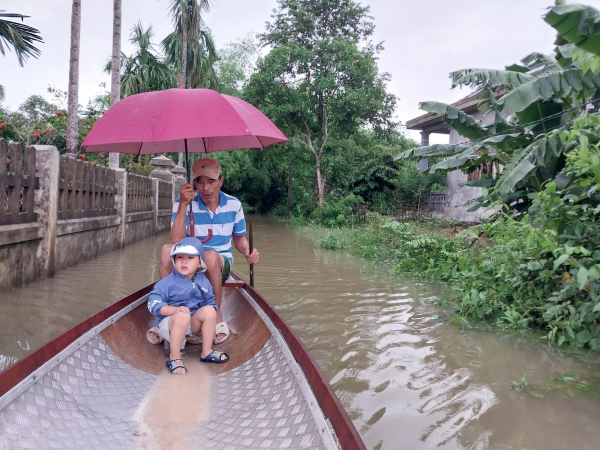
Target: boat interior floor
<point x="114" y="392"/>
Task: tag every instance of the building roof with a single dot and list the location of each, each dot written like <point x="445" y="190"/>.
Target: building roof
<point x="436" y="124"/>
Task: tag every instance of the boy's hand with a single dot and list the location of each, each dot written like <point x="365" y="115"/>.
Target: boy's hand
<point x="182" y="309"/>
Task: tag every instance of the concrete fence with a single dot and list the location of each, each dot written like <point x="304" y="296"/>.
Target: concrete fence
<point x="56" y="212"/>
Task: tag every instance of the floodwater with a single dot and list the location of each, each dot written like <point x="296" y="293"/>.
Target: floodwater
<point x="407" y="377"/>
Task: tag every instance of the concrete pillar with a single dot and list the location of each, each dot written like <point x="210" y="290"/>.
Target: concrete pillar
<point x="47" y="161"/>
<point x="121" y="203"/>
<point x="425" y="138"/>
<point x="161" y="165"/>
<point x="179" y="177"/>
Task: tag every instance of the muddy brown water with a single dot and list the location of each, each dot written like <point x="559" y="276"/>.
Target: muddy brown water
<point x="408" y="378"/>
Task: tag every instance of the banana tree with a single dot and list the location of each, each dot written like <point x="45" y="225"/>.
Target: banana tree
<point x="539" y="98"/>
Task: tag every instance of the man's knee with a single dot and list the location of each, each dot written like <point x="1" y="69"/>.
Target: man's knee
<point x="213" y="260"/>
<point x="165" y="253"/>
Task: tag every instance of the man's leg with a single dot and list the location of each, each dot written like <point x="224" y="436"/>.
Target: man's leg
<point x="214" y="264"/>
<point x="166" y="264"/>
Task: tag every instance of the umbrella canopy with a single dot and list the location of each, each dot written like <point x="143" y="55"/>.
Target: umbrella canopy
<point x="168" y="121"/>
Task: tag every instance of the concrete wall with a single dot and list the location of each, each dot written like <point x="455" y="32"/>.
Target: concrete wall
<point x="82" y="239"/>
<point x="33" y="251"/>
<point x="457" y="194"/>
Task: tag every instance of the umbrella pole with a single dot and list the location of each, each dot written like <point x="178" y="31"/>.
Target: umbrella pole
<point x="251" y="243"/>
<point x="187" y="166"/>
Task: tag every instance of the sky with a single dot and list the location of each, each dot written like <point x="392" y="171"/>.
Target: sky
<point x="424" y="40"/>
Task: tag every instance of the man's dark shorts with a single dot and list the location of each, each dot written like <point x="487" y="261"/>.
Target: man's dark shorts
<point x="225" y="270"/>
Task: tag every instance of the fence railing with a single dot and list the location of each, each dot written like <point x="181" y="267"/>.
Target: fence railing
<point x="418" y="204"/>
<point x="139" y="193"/>
<point x="85" y="190"/>
<point x="436" y="201"/>
<point x="17" y="183"/>
<point x="165" y="195"/>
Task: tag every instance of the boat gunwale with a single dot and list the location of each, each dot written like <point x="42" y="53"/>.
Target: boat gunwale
<point x="15" y="374"/>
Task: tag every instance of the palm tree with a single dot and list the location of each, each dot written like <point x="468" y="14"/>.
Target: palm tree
<point x="190" y="47"/>
<point x="20" y="37"/>
<point x="73" y="103"/>
<point x="144" y="70"/>
<point x="115" y="87"/>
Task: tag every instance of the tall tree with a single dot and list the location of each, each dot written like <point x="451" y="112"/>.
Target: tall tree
<point x="115" y="85"/>
<point x="320" y="81"/>
<point x="190" y="47"/>
<point x="144" y="70"/>
<point x="73" y="103"/>
<point x="22" y="38"/>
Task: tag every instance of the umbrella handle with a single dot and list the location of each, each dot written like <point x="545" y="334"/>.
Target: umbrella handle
<point x="207" y="238"/>
<point x="192" y="231"/>
<point x="191" y="216"/>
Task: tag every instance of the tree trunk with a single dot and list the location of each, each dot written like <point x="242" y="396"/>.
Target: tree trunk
<point x="115" y="85"/>
<point x="320" y="183"/>
<point x="184" y="46"/>
<point x="289" y="199"/>
<point x="184" y="43"/>
<point x="73" y="100"/>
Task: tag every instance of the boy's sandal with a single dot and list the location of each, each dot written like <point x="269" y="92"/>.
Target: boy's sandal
<point x="153" y="336"/>
<point x="215" y="357"/>
<point x="222" y="328"/>
<point x="176" y="364"/>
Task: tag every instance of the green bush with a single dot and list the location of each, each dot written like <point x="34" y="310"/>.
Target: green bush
<point x="341" y="211"/>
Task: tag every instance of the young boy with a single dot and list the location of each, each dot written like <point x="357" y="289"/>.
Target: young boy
<point x="183" y="304"/>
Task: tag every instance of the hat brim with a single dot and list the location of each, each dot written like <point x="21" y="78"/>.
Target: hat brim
<point x="210" y="174"/>
<point x="200" y="269"/>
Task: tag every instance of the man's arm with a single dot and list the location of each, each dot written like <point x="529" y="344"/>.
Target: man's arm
<point x="178" y="228"/>
<point x="241" y="243"/>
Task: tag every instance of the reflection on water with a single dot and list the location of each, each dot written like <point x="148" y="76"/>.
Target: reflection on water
<point x="407" y="378"/>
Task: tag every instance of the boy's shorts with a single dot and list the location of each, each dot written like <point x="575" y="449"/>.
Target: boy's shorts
<point x="163" y="329"/>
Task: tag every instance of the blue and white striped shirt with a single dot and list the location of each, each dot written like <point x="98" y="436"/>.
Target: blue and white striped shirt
<point x="226" y="221"/>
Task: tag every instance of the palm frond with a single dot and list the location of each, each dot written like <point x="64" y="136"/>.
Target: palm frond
<point x="21" y="37"/>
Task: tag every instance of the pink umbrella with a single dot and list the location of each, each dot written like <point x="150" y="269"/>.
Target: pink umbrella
<point x="181" y="120"/>
<point x="168" y="121"/>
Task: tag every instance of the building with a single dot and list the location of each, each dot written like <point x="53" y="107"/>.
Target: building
<point x="455" y="194"/>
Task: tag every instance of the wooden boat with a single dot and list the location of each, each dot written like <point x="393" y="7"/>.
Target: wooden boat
<point x="101" y="384"/>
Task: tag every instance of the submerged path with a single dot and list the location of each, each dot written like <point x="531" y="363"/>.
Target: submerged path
<point x="407" y="378"/>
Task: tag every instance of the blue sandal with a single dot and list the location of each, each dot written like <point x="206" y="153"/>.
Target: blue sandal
<point x="215" y="357"/>
<point x="176" y="364"/>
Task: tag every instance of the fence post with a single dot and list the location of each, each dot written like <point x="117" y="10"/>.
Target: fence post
<point x="46" y="202"/>
<point x="155" y="205"/>
<point x="121" y="202"/>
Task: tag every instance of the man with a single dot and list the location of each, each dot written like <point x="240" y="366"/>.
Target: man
<point x="223" y="215"/>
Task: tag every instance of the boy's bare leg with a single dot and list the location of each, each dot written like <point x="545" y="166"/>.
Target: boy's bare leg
<point x="178" y="324"/>
<point x="205" y="320"/>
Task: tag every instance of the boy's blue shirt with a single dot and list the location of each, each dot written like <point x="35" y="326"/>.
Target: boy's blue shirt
<point x="178" y="290"/>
